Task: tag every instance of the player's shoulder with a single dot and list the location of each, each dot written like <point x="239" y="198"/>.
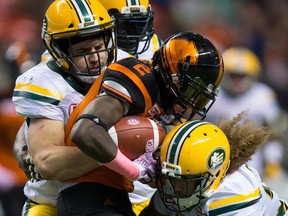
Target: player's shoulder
<point x="38" y="73"/>
<point x="121" y="54"/>
<point x="128" y="67"/>
<point x="156" y="41"/>
<point x="131" y="80"/>
<point x="41" y="82"/>
<point x="45" y="74"/>
<point x="238" y="191"/>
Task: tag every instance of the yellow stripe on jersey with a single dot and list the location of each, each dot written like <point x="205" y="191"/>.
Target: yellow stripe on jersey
<point x="38" y="90"/>
<point x="234" y="203"/>
<point x="45" y="57"/>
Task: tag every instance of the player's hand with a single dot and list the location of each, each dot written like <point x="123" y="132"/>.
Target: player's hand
<point x="30" y="169"/>
<point x="146" y="164"/>
<point x="27" y="165"/>
<point x="22" y="155"/>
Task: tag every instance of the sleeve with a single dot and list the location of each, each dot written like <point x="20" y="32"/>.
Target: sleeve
<point x="38" y="93"/>
<point x="232" y="198"/>
<point x="132" y="81"/>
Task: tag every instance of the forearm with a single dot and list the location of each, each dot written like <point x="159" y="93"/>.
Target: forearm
<point x="64" y="162"/>
<point x="122" y="165"/>
<point x="98" y="145"/>
<point x="92" y="138"/>
<point x="51" y="157"/>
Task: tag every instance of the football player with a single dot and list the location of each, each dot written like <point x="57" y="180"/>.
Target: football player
<point x="135" y="31"/>
<point x="194" y="176"/>
<point x="80" y="38"/>
<point x="241" y="90"/>
<point x="135" y="34"/>
<point x="184" y="75"/>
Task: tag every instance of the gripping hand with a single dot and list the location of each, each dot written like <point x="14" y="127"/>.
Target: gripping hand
<point x="146" y="164"/>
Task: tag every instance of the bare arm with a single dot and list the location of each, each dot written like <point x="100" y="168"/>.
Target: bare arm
<point x="52" y="158"/>
<point x="93" y="139"/>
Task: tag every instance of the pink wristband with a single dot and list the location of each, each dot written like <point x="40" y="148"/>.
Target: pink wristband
<point x="124" y="166"/>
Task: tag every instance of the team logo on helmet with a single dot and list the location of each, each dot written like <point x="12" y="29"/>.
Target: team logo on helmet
<point x="216" y="158"/>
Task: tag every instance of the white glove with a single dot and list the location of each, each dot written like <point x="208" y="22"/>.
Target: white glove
<point x="146" y="164"/>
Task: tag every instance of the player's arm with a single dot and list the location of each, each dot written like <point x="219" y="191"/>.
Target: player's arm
<point x="92" y="137"/>
<point x="51" y="157"/>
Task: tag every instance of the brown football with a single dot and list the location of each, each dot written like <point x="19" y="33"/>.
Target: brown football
<point x="131" y="134"/>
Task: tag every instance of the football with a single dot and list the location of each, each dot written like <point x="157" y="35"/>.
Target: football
<point x="131" y="134"/>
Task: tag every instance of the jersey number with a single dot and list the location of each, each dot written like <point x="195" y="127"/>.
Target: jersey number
<point x="142" y="69"/>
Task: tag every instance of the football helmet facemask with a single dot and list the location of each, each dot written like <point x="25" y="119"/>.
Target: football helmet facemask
<point x="189" y="69"/>
<point x="134" y="24"/>
<point x="70" y="22"/>
<point x="194" y="158"/>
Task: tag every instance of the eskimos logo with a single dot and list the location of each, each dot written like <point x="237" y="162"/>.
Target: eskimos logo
<point x="216" y="158"/>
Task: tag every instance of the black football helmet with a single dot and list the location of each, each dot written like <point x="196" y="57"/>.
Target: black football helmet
<point x="189" y="69"/>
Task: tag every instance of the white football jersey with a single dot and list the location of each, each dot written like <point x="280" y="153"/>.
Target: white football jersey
<point x="46" y="92"/>
<point x="154" y="45"/>
<point x="261" y="103"/>
<point x="240" y="194"/>
<point x="243" y="193"/>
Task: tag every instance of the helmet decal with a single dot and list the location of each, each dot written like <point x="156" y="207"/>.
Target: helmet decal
<point x="187" y="53"/>
<point x="83" y="11"/>
<point x="216" y="158"/>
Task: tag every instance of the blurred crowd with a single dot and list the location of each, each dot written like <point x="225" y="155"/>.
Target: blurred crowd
<point x="259" y="25"/>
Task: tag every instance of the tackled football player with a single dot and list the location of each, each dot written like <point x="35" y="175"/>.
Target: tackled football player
<point x="183" y="76"/>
